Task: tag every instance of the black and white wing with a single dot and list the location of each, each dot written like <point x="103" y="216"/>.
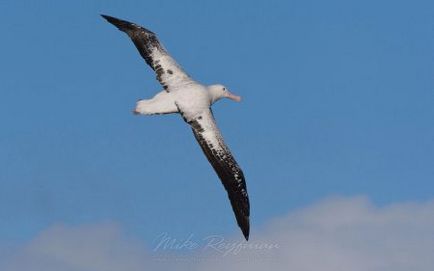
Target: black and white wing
<point x="169" y="73"/>
<point x="210" y="140"/>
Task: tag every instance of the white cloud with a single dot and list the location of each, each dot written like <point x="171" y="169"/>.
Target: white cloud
<point x="336" y="234"/>
<point x="95" y="247"/>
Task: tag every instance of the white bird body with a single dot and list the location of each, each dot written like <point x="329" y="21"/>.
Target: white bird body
<point x="183" y="95"/>
<point x="192" y="100"/>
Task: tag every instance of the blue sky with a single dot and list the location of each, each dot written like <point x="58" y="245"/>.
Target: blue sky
<point x="337" y="100"/>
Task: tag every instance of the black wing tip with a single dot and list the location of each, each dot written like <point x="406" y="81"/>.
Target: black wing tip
<point x="107" y="17"/>
<point x="120" y="24"/>
<point x="123" y="25"/>
<point x="245" y="227"/>
<point x="242" y="214"/>
<point x="111" y="19"/>
<point x="246" y="234"/>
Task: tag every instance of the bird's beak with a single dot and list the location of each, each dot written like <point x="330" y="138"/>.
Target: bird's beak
<point x="233" y="97"/>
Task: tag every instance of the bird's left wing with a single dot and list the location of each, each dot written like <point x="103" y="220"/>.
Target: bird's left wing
<point x="209" y="138"/>
<point x="169" y="73"/>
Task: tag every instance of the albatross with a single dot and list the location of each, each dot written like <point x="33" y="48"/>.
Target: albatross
<point x="192" y="100"/>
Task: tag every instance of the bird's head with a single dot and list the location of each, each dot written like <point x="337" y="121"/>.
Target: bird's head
<point x="219" y="91"/>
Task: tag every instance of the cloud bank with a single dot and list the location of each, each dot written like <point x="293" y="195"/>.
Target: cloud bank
<point x="336" y="234"/>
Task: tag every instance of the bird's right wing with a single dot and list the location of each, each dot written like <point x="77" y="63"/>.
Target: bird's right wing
<point x="210" y="140"/>
<point x="169" y="73"/>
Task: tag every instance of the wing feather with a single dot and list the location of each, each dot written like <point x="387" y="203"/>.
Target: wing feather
<point x="169" y="73"/>
<point x="218" y="154"/>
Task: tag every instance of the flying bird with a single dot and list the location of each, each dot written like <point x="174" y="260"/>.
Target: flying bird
<point x="192" y="100"/>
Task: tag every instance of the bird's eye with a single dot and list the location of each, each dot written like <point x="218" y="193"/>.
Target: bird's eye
<point x="224" y="89"/>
